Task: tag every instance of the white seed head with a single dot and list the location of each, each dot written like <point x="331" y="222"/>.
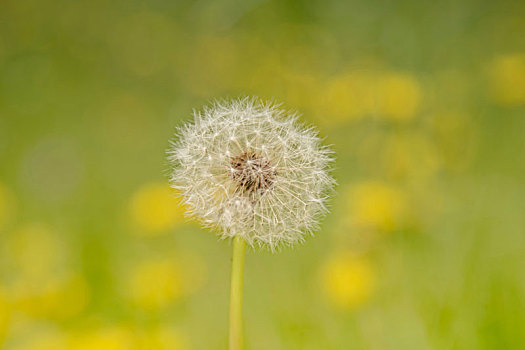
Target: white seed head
<point x="250" y="169"/>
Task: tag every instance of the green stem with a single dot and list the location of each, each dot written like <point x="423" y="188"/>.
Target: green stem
<point x="239" y="248"/>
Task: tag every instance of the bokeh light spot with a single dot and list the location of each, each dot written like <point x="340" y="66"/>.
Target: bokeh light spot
<point x="507" y="79"/>
<point x="154" y="209"/>
<point x="398" y="96"/>
<point x="112" y="338"/>
<point x="377" y="206"/>
<point x="156" y="284"/>
<point x="35" y="250"/>
<point x="348" y="281"/>
<point x="162" y="338"/>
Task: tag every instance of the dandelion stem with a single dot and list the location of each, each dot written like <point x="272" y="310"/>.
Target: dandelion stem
<point x="239" y="248"/>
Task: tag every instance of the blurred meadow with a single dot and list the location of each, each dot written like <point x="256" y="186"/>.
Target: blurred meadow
<point x="423" y="102"/>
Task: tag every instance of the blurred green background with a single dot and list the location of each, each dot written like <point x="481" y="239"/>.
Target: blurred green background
<point x="423" y="103"/>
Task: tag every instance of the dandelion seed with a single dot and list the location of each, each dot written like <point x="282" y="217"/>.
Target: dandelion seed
<point x="252" y="170"/>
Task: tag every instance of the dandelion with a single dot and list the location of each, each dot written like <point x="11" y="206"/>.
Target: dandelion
<point x="254" y="173"/>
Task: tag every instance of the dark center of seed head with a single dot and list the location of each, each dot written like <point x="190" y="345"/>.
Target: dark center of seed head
<point x="252" y="173"/>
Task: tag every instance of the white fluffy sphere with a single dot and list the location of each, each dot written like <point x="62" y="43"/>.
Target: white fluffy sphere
<point x="250" y="169"/>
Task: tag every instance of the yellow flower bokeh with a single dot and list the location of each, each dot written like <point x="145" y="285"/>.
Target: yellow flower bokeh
<point x="111" y="338"/>
<point x="5" y="315"/>
<point x="506" y="75"/>
<point x="42" y="283"/>
<point x="154" y="209"/>
<point x="156" y="284"/>
<point x="348" y="281"/>
<point x="42" y="340"/>
<point x="162" y="282"/>
<point x="162" y="338"/>
<point x="355" y="94"/>
<point x="377" y="206"/>
<point x="59" y="298"/>
<point x="398" y="96"/>
<point x="35" y="250"/>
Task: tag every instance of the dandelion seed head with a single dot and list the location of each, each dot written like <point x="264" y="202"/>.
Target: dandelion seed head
<point x="251" y="169"/>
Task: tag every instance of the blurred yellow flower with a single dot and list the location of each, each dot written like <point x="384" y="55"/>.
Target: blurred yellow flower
<point x="154" y="209"/>
<point x="507" y="79"/>
<point x="348" y="281"/>
<point x="163" y="338"/>
<point x="47" y="340"/>
<point x="35" y="250"/>
<point x="398" y="96"/>
<point x="156" y="284"/>
<point x="54" y="298"/>
<point x="357" y="93"/>
<point x="7" y="204"/>
<point x="41" y="283"/>
<point x="74" y="294"/>
<point x="5" y="315"/>
<point x="376" y="205"/>
<point x="114" y="338"/>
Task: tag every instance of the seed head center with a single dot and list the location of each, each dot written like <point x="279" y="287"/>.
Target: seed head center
<point x="252" y="173"/>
